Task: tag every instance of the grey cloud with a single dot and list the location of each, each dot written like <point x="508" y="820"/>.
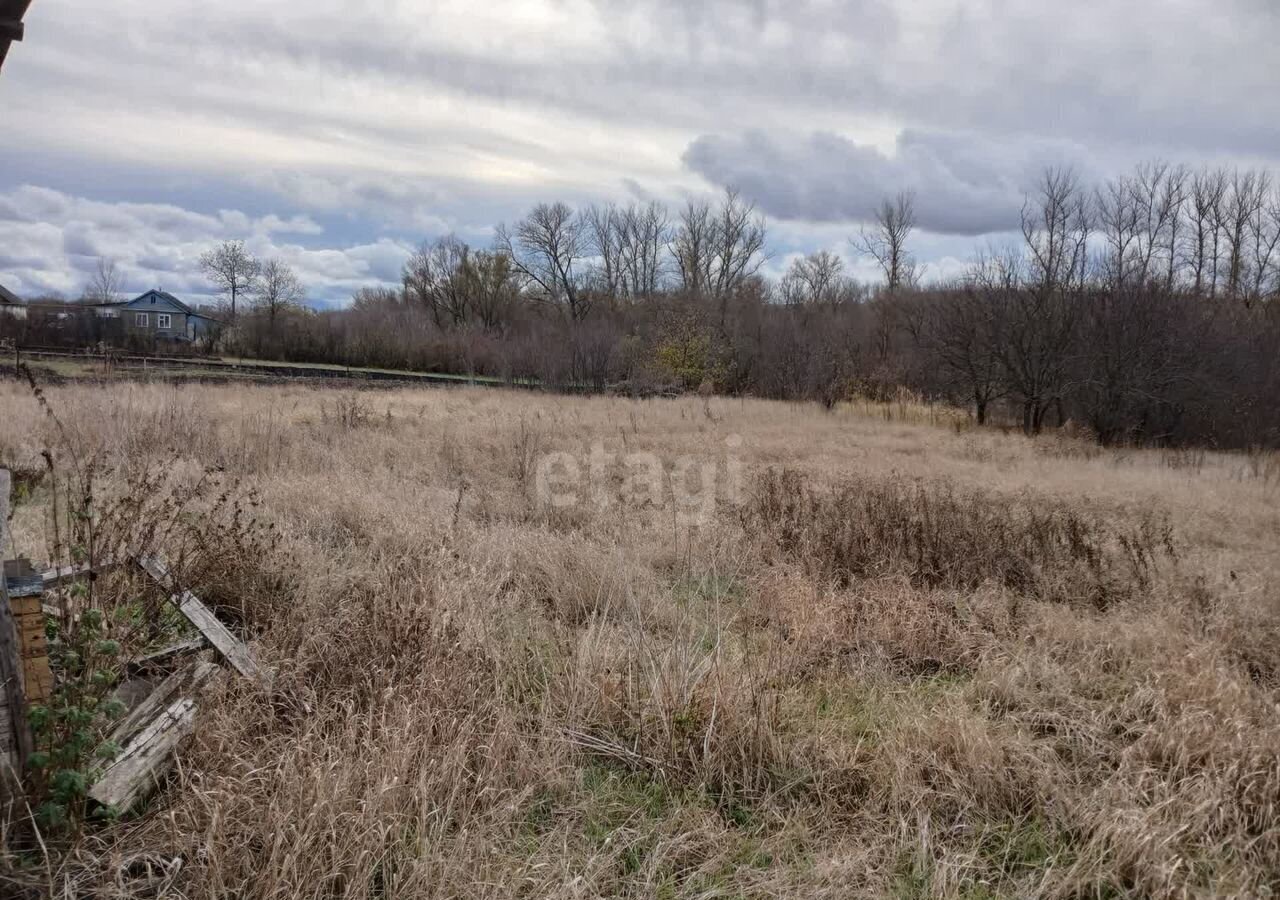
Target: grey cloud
<point x="78" y="240"/>
<point x="363" y="124"/>
<point x="1101" y="69"/>
<point x="421" y="206"/>
<point x="964" y="184"/>
<point x="1198" y="75"/>
<point x="397" y="201"/>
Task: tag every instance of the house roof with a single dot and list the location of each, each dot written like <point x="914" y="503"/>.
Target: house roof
<point x="165" y="296"/>
<point x="8" y="297"/>
<point x="69" y="304"/>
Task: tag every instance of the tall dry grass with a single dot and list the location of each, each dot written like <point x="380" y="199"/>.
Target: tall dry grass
<point x="931" y="661"/>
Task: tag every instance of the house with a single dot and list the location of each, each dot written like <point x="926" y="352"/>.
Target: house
<point x="11" y="304"/>
<point x="150" y="318"/>
<point x="160" y="315"/>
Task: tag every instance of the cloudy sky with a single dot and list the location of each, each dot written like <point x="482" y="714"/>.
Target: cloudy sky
<point x="339" y="134"/>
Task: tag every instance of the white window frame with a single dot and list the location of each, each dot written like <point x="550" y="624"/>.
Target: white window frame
<point x="142" y="320"/>
<point x="164" y="320"/>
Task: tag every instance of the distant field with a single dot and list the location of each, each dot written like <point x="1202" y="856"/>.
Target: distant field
<point x="545" y="646"/>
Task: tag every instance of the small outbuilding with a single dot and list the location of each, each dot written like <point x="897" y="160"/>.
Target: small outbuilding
<point x="11" y="303"/>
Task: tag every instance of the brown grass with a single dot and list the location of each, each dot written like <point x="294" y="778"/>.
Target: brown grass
<point x="940" y="537"/>
<point x="927" y="661"/>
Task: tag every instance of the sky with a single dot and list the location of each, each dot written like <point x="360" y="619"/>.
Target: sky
<point x="339" y="135"/>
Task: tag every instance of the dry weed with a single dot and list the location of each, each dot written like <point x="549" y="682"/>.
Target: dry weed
<point x="924" y="661"/>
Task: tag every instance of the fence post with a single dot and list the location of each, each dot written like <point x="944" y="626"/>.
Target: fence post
<point x="15" y="731"/>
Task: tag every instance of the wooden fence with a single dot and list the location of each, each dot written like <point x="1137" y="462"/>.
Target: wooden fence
<point x="152" y="731"/>
<point x="15" y="732"/>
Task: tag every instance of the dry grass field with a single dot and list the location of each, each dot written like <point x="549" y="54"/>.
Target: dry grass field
<point x="867" y="652"/>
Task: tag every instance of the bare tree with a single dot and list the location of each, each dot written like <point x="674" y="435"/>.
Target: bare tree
<point x="1244" y="205"/>
<point x="630" y="245"/>
<point x="104" y="285"/>
<point x="886" y="242"/>
<point x="959" y="332"/>
<point x="692" y="247"/>
<point x="605" y="234"/>
<point x="1056" y="222"/>
<point x="817" y="280"/>
<point x="1173" y="201"/>
<point x="738" y="244"/>
<point x="1263" y="264"/>
<point x="1139" y="216"/>
<point x="646" y="233"/>
<point x="276" y="290"/>
<point x="718" y="248"/>
<point x="374" y="298"/>
<point x="492" y="289"/>
<point x="1204" y="231"/>
<point x="435" y="277"/>
<point x="1133" y="353"/>
<point x="549" y="250"/>
<point x="232" y="269"/>
<point x="1118" y="223"/>
<point x="1156" y="189"/>
<point x="1035" y="326"/>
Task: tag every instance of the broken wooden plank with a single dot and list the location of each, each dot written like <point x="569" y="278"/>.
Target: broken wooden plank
<point x="186" y="682"/>
<point x="163" y="655"/>
<point x="55" y="577"/>
<point x="146" y="759"/>
<point x="232" y="649"/>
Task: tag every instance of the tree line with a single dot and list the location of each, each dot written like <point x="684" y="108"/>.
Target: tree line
<point x="1143" y="307"/>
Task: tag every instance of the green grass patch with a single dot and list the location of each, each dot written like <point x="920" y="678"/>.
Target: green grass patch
<point x="865" y="710"/>
<point x="697" y="591"/>
<point x="1009" y="858"/>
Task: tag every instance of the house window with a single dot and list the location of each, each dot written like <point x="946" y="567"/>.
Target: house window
<point x="163" y="320"/>
<point x="143" y="320"/>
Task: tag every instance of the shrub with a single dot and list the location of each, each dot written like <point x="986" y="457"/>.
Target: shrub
<point x="939" y="536"/>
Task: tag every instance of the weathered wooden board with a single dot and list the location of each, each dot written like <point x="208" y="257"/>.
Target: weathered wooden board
<point x="163" y="655"/>
<point x="28" y="618"/>
<point x="57" y="576"/>
<point x="146" y="759"/>
<point x="183" y="683"/>
<point x="15" y="733"/>
<point x="25" y="587"/>
<point x="231" y="647"/>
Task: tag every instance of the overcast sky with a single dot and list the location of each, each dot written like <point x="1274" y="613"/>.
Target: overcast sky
<point x="339" y="134"/>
